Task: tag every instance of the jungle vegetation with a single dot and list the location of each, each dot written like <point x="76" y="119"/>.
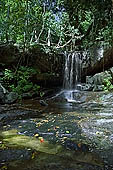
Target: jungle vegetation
<point x="52" y="26"/>
<point x="56" y="24"/>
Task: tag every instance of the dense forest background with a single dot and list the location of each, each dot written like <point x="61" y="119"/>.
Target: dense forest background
<point x="56" y="24"/>
<point x="35" y="33"/>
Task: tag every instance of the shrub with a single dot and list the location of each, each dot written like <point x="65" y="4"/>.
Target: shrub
<point x="19" y="81"/>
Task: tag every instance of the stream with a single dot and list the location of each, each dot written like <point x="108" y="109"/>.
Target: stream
<point x="66" y="134"/>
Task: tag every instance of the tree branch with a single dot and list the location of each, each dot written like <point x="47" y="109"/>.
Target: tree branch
<point x="42" y="26"/>
<point x="64" y="44"/>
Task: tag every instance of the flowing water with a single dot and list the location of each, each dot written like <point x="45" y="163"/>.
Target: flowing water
<point x="74" y="131"/>
<point x="72" y="74"/>
<point x="72" y="70"/>
<point x="65" y="136"/>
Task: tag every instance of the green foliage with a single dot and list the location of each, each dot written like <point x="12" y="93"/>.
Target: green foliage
<point x="19" y="81"/>
<point x="18" y="19"/>
<point x="42" y="94"/>
<point x="28" y="22"/>
<point x="86" y="19"/>
<point x="8" y="75"/>
<point x="93" y="18"/>
<point x="108" y="86"/>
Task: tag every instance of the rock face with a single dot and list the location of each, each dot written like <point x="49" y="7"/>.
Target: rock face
<point x="7" y="97"/>
<point x="8" y="54"/>
<point x="48" y="80"/>
<point x="11" y="97"/>
<point x="104" y="63"/>
<point x="45" y="62"/>
<point x="2" y="94"/>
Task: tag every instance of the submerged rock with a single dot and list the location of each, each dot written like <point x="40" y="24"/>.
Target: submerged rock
<point x="69" y="144"/>
<point x="8" y="116"/>
<point x="7" y="155"/>
<point x="12" y="139"/>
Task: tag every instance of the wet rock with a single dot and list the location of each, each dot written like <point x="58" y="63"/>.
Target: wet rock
<point x="84" y="87"/>
<point x="43" y="103"/>
<point x="111" y="71"/>
<point x="10" y="115"/>
<point x="87" y="87"/>
<point x="97" y="82"/>
<point x="89" y="80"/>
<point x="98" y="88"/>
<point x="12" y="138"/>
<point x="16" y="154"/>
<point x="69" y="144"/>
<point x="50" y="92"/>
<point x="1" y="95"/>
<point x="3" y="91"/>
<point x="10" y="98"/>
<point x="7" y="97"/>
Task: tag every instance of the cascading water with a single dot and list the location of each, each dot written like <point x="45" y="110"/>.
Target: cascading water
<point x="72" y="70"/>
<point x="72" y="74"/>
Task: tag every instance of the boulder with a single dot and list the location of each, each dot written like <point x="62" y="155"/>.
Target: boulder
<point x="98" y="88"/>
<point x="7" y="97"/>
<point x="87" y="87"/>
<point x="97" y="82"/>
<point x="10" y="98"/>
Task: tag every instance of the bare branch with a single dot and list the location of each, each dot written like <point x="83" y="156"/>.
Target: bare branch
<point x="48" y="38"/>
<point x="42" y="26"/>
<point x="64" y="44"/>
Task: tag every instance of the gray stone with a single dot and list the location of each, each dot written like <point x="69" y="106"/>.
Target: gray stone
<point x="87" y="87"/>
<point x="98" y="88"/>
<point x="10" y="97"/>
<point x="97" y="82"/>
<point x="7" y="97"/>
<point x="2" y="93"/>
<point x="89" y="80"/>
<point x="111" y="69"/>
<point x="43" y="103"/>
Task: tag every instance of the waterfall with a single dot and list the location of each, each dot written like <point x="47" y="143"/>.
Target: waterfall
<point x="72" y="74"/>
<point x="72" y="70"/>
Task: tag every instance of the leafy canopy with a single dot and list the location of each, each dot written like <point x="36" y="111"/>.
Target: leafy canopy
<point x="56" y="24"/>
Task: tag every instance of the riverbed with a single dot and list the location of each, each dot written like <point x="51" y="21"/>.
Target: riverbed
<point x="31" y="134"/>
